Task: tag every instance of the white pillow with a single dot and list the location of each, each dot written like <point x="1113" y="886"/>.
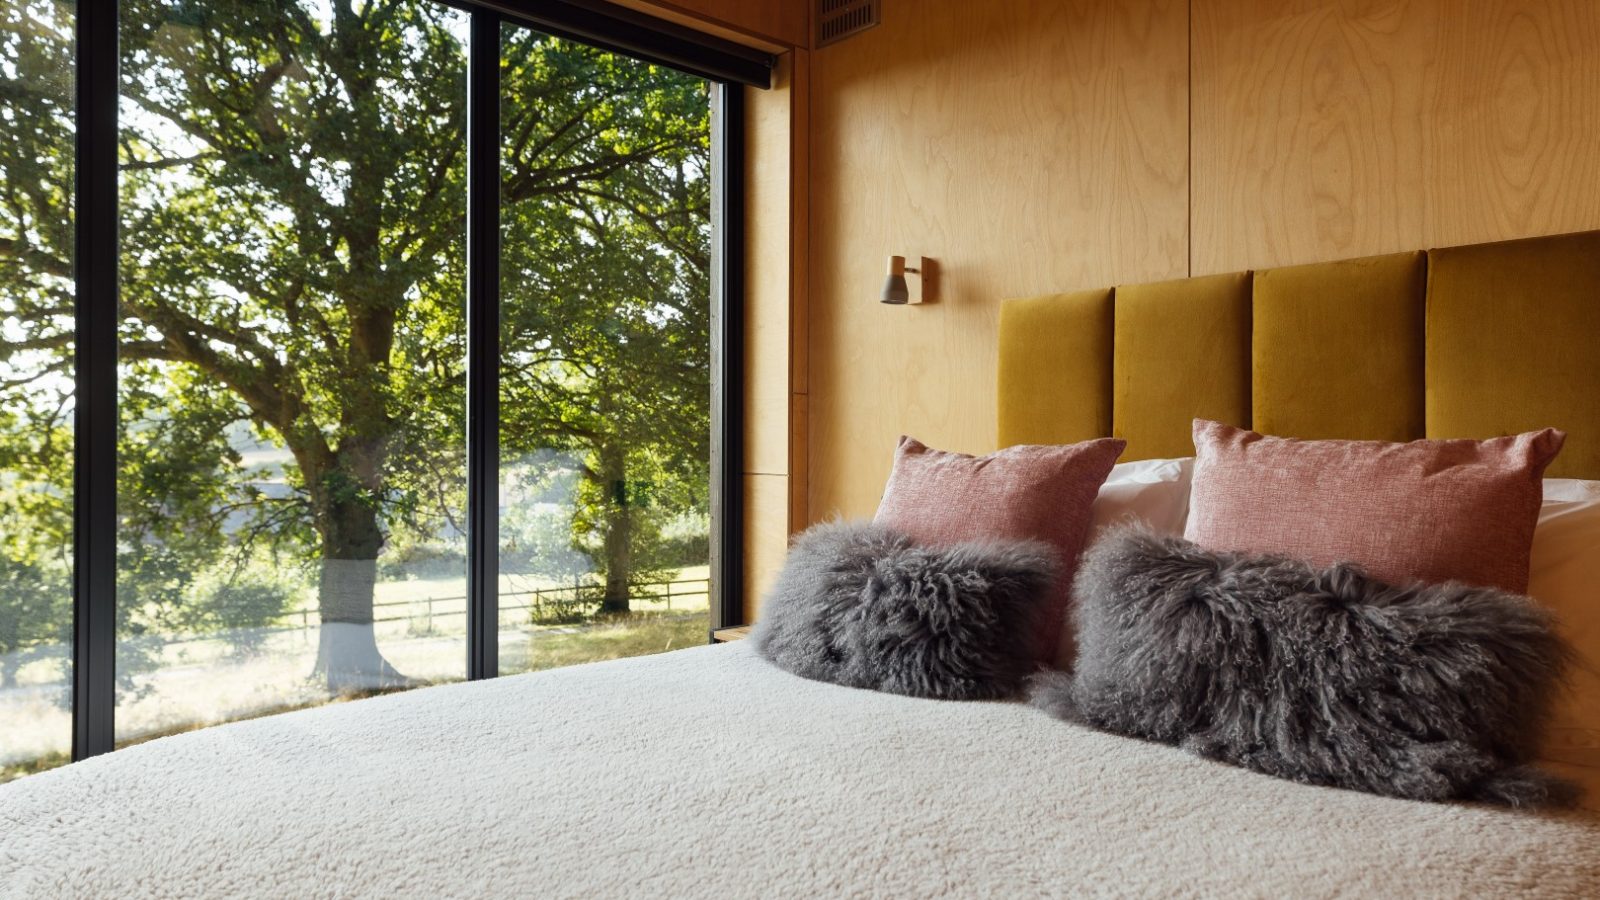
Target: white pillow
<point x="1565" y="575"/>
<point x="1569" y="490"/>
<point x="1154" y="490"/>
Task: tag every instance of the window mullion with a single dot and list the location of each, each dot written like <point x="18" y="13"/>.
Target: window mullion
<point x="95" y="372"/>
<point x="483" y="344"/>
<point x="727" y="355"/>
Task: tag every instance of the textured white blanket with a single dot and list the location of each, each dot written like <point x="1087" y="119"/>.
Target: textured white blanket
<point x="707" y="772"/>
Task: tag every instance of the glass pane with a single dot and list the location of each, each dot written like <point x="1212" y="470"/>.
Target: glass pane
<point x="293" y="355"/>
<point x="605" y="374"/>
<point x="36" y="296"/>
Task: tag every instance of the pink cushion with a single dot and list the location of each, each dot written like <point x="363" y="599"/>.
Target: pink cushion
<point x="1427" y="511"/>
<point x="1043" y="493"/>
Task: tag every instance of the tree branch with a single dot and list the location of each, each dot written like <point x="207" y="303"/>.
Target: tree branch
<point x="31" y="256"/>
<point x="162" y="163"/>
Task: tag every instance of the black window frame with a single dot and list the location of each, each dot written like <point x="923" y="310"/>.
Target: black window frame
<point x="728" y="66"/>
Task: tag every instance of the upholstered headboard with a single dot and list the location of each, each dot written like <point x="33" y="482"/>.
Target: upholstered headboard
<point x="1475" y="341"/>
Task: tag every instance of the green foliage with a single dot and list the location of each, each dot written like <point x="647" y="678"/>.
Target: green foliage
<point x="292" y="270"/>
<point x="33" y="766"/>
<point x="240" y="604"/>
<point x="641" y="635"/>
<point x="536" y="528"/>
<point x="35" y="321"/>
<point x="607" y="330"/>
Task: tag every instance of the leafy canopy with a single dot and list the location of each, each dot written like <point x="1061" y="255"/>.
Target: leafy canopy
<point x="292" y="270"/>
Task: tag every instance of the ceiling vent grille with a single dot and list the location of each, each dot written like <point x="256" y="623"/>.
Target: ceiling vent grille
<point x="838" y="19"/>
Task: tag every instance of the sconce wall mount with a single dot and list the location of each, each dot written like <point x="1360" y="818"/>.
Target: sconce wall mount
<point x="897" y="292"/>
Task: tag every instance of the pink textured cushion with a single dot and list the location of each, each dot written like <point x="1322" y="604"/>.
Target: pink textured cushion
<point x="1043" y="493"/>
<point x="1426" y="511"/>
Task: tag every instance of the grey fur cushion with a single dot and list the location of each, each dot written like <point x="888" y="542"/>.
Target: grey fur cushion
<point x="1321" y="676"/>
<point x="863" y="606"/>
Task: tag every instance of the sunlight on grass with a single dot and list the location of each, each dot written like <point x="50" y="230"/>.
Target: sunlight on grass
<point x="40" y="764"/>
<point x="635" y="636"/>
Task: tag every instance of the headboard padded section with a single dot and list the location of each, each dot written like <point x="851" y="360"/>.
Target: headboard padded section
<point x="1181" y="350"/>
<point x="1514" y="343"/>
<point x="1338" y="347"/>
<point x="1055" y="368"/>
<point x="1473" y="341"/>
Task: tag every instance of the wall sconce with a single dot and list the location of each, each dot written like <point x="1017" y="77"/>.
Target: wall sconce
<point x="895" y="290"/>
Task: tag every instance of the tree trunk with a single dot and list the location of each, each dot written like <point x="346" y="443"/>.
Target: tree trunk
<point x="618" y="531"/>
<point x="347" y="651"/>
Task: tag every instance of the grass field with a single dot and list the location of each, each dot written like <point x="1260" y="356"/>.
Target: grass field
<point x="639" y="635"/>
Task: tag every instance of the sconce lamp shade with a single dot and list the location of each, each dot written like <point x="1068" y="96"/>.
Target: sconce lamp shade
<point x="895" y="290"/>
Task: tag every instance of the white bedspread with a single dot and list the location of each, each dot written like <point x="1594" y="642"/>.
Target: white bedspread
<point x="707" y="772"/>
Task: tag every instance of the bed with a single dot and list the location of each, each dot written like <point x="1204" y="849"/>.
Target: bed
<point x="709" y="772"/>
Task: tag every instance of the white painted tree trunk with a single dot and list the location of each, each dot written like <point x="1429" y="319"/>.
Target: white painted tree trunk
<point x="347" y="651"/>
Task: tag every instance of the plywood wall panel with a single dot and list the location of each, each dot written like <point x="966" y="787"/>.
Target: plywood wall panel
<point x="1518" y="152"/>
<point x="766" y="538"/>
<point x="768" y="208"/>
<point x="1029" y="146"/>
<point x="799" y="468"/>
<point x="770" y="24"/>
<point x="782" y="20"/>
<point x="775" y="320"/>
<point x="1324" y="130"/>
<point x="1038" y="146"/>
<point x="800" y="225"/>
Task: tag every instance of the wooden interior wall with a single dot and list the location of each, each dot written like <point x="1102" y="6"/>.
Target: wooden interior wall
<point x="1034" y="146"/>
<point x="774" y="357"/>
<point x="772" y="24"/>
<point x="1028" y="147"/>
<point x="1325" y="130"/>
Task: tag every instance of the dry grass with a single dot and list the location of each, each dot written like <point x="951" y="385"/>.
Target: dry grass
<point x="637" y="635"/>
<point x="48" y="761"/>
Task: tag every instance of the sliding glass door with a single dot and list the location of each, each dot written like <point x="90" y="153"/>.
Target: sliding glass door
<point x="291" y="454"/>
<point x="412" y="372"/>
<point x="605" y="315"/>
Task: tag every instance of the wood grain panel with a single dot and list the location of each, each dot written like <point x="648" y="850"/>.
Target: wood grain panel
<point x="766" y="538"/>
<point x="1030" y="147"/>
<point x="799" y="467"/>
<point x="800" y="292"/>
<point x="768" y="240"/>
<point x="774" y="414"/>
<point x="800" y="224"/>
<point x="784" y="21"/>
<point x="1326" y="130"/>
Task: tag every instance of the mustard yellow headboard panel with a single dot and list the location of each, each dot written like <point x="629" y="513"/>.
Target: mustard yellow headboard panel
<point x="1461" y="342"/>
<point x="1337" y="349"/>
<point x="1055" y="368"/>
<point x="1182" y="349"/>
<point x="1514" y="343"/>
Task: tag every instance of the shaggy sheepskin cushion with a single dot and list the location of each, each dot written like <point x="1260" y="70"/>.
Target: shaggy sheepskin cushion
<point x="1323" y="676"/>
<point x="865" y="606"/>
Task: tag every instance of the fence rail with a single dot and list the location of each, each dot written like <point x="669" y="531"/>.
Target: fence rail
<point x="565" y="605"/>
<point x="544" y="606"/>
